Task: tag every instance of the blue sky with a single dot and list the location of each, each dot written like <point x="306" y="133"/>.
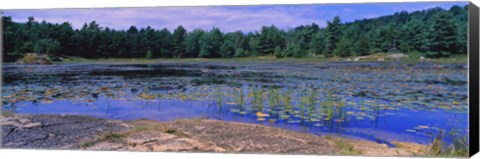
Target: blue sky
<point x="227" y="18"/>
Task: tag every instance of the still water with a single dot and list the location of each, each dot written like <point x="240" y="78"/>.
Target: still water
<point x="377" y="101"/>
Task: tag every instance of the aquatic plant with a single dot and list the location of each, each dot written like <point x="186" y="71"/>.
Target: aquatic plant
<point x="287" y="101"/>
<point x="239" y="99"/>
<point x="362" y="104"/>
<point x="272" y="99"/>
<point x="219" y="96"/>
<point x="311" y="102"/>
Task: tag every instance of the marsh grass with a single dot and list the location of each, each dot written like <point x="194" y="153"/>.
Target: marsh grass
<point x="88" y="144"/>
<point x="239" y="98"/>
<point x="112" y="136"/>
<point x="458" y="148"/>
<point x="413" y="58"/>
<point x="287" y="103"/>
<point x="345" y="147"/>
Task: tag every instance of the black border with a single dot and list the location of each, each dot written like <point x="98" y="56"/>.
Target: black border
<point x="473" y="66"/>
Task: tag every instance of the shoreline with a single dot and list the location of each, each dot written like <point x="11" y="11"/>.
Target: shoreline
<point x="189" y="135"/>
<point x="406" y="58"/>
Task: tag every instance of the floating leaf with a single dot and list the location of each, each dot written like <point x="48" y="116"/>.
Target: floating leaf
<point x="272" y="121"/>
<point x="422" y="127"/>
<point x="146" y="96"/>
<point x="260" y="114"/>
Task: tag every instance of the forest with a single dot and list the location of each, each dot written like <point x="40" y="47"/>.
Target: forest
<point x="432" y="32"/>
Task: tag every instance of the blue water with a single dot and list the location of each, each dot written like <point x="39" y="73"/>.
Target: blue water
<point x="114" y="92"/>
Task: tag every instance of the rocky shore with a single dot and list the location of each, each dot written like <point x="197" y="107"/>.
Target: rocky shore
<point x="192" y="135"/>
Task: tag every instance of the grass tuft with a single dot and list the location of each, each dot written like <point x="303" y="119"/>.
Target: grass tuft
<point x="345" y="147"/>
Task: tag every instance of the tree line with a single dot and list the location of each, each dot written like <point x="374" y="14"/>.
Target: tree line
<point x="434" y="32"/>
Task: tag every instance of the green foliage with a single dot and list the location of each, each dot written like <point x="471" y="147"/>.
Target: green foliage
<point x="192" y="42"/>
<point x="293" y="50"/>
<point x="270" y="37"/>
<point x="278" y="51"/>
<point x="317" y="44"/>
<point x="239" y="52"/>
<point x="179" y="35"/>
<point x="47" y="46"/>
<point x="254" y="45"/>
<point x="458" y="148"/>
<point x="414" y="36"/>
<point x="435" y="33"/>
<point x="362" y="46"/>
<point x="112" y="136"/>
<point x="442" y="35"/>
<point x="334" y="32"/>
<point x="345" y="147"/>
<point x="149" y="54"/>
<point x="343" y="49"/>
<point x="211" y="43"/>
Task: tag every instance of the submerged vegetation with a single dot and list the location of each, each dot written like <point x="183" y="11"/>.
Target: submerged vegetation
<point x="358" y="99"/>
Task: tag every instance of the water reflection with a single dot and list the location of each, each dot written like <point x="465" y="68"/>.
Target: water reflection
<point x="370" y="101"/>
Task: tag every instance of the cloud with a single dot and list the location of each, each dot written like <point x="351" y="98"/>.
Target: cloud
<point x="227" y="19"/>
<point x="348" y="10"/>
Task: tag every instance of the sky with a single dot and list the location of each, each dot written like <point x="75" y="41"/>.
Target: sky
<point x="227" y="18"/>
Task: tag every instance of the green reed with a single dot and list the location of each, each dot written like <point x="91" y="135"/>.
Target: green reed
<point x="271" y="101"/>
<point x="239" y="98"/>
<point x="362" y="103"/>
<point x="257" y="98"/>
<point x="287" y="101"/>
<point x="311" y="102"/>
<point x="219" y="96"/>
<point x="458" y="148"/>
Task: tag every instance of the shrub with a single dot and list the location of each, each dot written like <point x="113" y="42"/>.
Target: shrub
<point x="35" y="59"/>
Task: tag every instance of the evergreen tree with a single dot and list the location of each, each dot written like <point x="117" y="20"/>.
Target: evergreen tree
<point x="165" y="43"/>
<point x="211" y="43"/>
<point x="362" y="46"/>
<point x="442" y="36"/>
<point x="132" y="42"/>
<point x="192" y="43"/>
<point x="317" y="44"/>
<point x="334" y="32"/>
<point x="435" y="32"/>
<point x="413" y="36"/>
<point x="179" y="35"/>
<point x="343" y="48"/>
<point x="47" y="46"/>
<point x="253" y="45"/>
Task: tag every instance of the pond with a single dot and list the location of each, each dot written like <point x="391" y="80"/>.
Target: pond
<point x="377" y="101"/>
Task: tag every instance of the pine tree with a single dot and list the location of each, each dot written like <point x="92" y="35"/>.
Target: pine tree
<point x="317" y="45"/>
<point x="343" y="48"/>
<point x="211" y="43"/>
<point x="442" y="35"/>
<point x="192" y="43"/>
<point x="362" y="46"/>
<point x="179" y="35"/>
<point x="334" y="32"/>
<point x="165" y="43"/>
<point x="278" y="51"/>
